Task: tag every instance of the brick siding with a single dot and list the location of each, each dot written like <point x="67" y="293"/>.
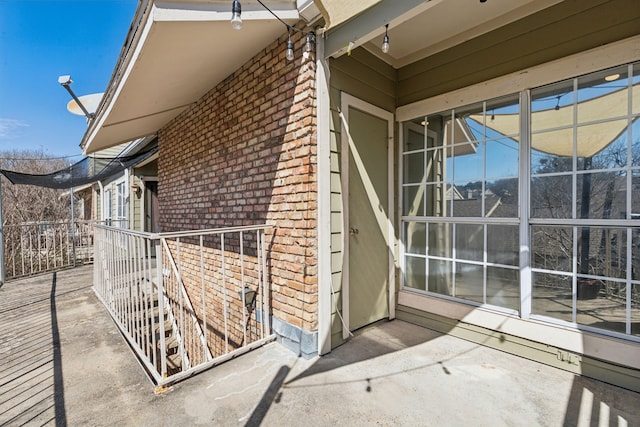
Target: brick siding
<point x="245" y="154"/>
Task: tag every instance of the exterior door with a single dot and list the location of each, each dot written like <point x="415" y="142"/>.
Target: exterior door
<point x="367" y="144"/>
<point x="151" y="207"/>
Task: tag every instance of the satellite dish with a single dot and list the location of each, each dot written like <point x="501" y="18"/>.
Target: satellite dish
<point x="90" y="102"/>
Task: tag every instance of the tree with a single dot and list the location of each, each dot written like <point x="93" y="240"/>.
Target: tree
<point x="28" y="203"/>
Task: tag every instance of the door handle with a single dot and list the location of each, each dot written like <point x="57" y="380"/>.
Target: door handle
<point x="353" y="231"/>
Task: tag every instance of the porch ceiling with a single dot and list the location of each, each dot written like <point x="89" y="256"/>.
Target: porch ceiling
<point x="180" y="50"/>
<point x="419" y="28"/>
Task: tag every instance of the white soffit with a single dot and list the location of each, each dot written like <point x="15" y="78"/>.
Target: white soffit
<point x="449" y="23"/>
<point x="430" y="26"/>
<point x="184" y="50"/>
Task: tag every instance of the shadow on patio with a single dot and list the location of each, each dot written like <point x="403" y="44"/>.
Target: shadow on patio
<point x="393" y="373"/>
<point x="399" y="373"/>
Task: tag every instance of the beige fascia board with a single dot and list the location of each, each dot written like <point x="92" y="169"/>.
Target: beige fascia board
<point x="211" y="12"/>
<point x="370" y="24"/>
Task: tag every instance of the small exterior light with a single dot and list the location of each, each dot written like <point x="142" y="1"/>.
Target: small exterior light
<point x="385" y="40"/>
<point x="236" y="11"/>
<point x="249" y="297"/>
<point x="289" y="50"/>
<point x="309" y="45"/>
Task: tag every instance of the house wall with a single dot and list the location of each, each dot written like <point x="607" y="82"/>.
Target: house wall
<point x="570" y="27"/>
<point x="567" y="28"/>
<point x="245" y="154"/>
<point x="366" y="77"/>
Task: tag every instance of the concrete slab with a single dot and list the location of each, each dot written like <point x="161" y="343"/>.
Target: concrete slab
<point x="63" y="362"/>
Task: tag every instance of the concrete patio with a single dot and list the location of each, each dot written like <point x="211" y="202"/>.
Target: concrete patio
<point x="65" y="363"/>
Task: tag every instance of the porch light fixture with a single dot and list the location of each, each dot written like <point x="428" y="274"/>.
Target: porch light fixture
<point x="310" y="44"/>
<point x="236" y="11"/>
<point x="289" y="49"/>
<point x="385" y="40"/>
<point x="612" y="77"/>
<point x="249" y="297"/>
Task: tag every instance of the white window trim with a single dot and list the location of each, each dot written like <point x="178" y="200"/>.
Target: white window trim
<point x="107" y="204"/>
<point x="121" y="205"/>
<point x="607" y="56"/>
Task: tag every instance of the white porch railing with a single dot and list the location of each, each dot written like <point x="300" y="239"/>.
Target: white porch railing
<point x="38" y="247"/>
<point x="185" y="301"/>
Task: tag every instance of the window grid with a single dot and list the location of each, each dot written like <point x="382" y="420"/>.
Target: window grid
<point x="630" y="172"/>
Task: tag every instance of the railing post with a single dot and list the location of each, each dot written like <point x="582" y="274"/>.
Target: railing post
<point x="206" y="355"/>
<point x="73" y="229"/>
<point x="224" y="296"/>
<point x="160" y="286"/>
<point x="244" y="299"/>
<point x="265" y="287"/>
<point x="2" y="270"/>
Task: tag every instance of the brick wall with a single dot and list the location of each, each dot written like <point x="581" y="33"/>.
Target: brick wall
<point x="227" y="324"/>
<point x="245" y="154"/>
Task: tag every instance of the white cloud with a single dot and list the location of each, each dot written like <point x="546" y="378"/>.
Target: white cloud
<point x="9" y="127"/>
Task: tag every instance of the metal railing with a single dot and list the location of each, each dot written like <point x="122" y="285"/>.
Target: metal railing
<point x="38" y="247"/>
<point x="185" y="301"/>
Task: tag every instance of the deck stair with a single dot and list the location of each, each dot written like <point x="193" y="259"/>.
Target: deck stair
<point x="171" y="336"/>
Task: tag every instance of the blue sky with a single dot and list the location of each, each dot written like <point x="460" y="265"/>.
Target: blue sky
<point x="41" y="40"/>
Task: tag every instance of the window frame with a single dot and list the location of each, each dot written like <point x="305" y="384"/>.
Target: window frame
<point x="525" y="218"/>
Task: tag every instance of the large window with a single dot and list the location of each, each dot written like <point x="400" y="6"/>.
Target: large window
<point x="460" y="203"/>
<point x="552" y="174"/>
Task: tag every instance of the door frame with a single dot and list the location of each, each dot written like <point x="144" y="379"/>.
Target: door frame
<point x="347" y="101"/>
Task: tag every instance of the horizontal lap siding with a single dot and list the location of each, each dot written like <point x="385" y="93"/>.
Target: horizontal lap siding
<point x="569" y="27"/>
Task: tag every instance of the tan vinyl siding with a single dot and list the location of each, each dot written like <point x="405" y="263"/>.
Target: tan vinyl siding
<point x="111" y="152"/>
<point x="366" y="77"/>
<point x="567" y="28"/>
